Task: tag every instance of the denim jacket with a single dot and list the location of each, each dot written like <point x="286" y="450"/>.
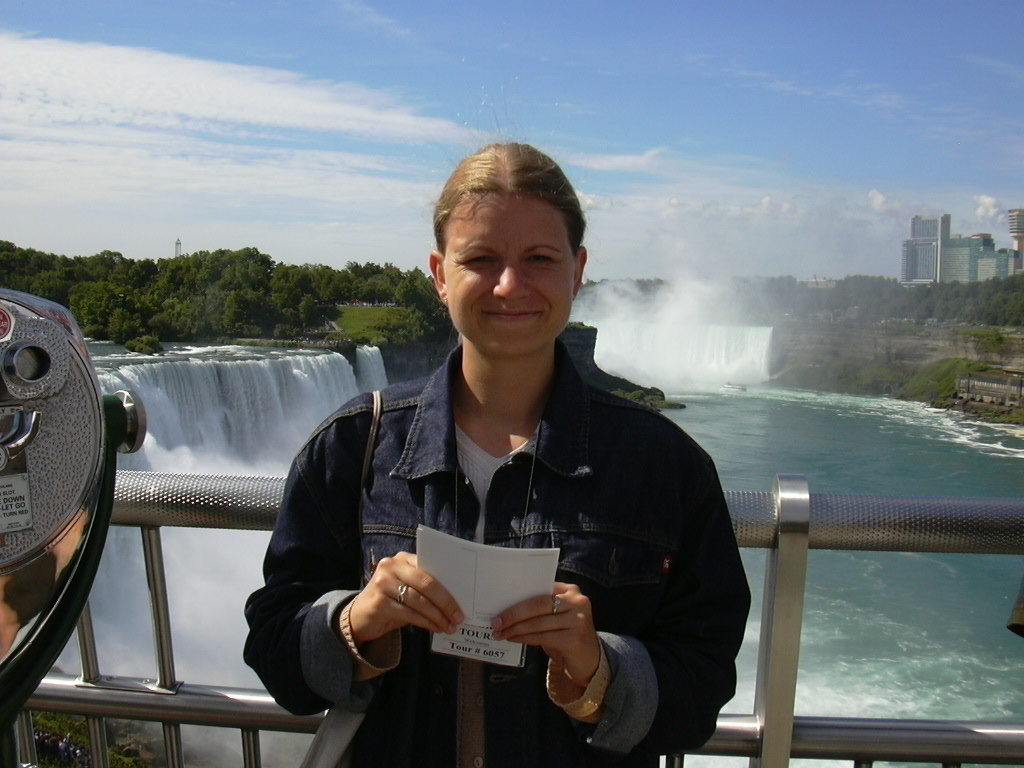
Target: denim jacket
<point x="633" y="504"/>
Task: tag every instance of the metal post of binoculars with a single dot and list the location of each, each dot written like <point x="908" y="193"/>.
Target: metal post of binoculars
<point x="59" y="439"/>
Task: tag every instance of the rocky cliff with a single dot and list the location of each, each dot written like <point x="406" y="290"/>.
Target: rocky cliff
<point x="908" y="347"/>
<point x="405" y="362"/>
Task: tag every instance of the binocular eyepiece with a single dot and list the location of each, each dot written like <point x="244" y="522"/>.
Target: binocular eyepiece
<point x="59" y="436"/>
<point x="25" y="363"/>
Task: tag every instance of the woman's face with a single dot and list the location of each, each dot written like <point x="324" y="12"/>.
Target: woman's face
<point x="508" y="274"/>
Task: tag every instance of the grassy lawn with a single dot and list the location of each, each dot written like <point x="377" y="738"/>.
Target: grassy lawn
<point x="368" y="325"/>
<point x="938" y="380"/>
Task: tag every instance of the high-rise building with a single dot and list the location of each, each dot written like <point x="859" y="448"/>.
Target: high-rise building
<point x="935" y="227"/>
<point x="1016" y="217"/>
<point x="969" y="259"/>
<point x="933" y="255"/>
<point x="923" y="252"/>
<point x="919" y="259"/>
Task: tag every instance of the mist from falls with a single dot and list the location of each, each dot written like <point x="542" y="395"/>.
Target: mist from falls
<point x="676" y="339"/>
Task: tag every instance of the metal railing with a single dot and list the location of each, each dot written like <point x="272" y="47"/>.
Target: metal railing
<point x="787" y="522"/>
<point x="1004" y="390"/>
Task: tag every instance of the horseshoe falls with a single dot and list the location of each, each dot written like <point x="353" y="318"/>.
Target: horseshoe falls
<point x="675" y="337"/>
<point x="690" y="356"/>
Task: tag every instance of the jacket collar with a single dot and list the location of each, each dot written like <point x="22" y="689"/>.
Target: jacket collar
<point x="564" y="434"/>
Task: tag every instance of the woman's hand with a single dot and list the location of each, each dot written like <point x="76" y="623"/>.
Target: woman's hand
<point x="399" y="594"/>
<point x="562" y="624"/>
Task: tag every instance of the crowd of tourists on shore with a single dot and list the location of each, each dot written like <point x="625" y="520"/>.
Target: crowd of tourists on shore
<point x="61" y="749"/>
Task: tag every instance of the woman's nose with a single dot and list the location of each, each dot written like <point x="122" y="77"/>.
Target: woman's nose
<point x="511" y="281"/>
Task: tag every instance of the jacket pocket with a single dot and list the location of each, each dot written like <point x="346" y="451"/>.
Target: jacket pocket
<point x="380" y="541"/>
<point x="610" y="561"/>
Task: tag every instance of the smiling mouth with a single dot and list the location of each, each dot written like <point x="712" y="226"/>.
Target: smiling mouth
<point x="513" y="315"/>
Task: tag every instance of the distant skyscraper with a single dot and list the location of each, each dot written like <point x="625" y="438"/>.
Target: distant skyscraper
<point x="919" y="259"/>
<point x="969" y="259"/>
<point x="1016" y="217"/>
<point x="1017" y="234"/>
<point x="933" y="255"/>
<point x="922" y="253"/>
<point x="934" y="227"/>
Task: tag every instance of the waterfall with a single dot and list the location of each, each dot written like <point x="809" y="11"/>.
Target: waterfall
<point x="215" y="413"/>
<point x="211" y="410"/>
<point x="678" y="336"/>
<point x="370" y="373"/>
<point x="683" y="357"/>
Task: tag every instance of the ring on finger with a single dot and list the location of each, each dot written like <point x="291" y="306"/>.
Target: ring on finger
<point x="402" y="589"/>
<point x="555" y="605"/>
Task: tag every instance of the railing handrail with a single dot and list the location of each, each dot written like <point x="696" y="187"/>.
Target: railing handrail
<point x="736" y="735"/>
<point x="787" y="522"/>
<point x="838" y="522"/>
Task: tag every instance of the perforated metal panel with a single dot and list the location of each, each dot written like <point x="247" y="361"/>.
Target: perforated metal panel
<point x="197" y="501"/>
<point x="753" y="517"/>
<point x="921" y="524"/>
<point x="889" y="524"/>
<point x="874" y="523"/>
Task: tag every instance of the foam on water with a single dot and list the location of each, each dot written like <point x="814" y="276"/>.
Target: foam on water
<point x="913" y="635"/>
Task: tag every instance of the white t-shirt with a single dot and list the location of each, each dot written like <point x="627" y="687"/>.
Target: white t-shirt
<point x="480" y="467"/>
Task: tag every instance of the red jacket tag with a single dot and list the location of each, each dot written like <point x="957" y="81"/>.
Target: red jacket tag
<point x="666" y="564"/>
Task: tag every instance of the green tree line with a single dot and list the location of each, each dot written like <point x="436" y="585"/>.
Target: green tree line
<point x="870" y="300"/>
<point x="211" y="295"/>
<point x="860" y="299"/>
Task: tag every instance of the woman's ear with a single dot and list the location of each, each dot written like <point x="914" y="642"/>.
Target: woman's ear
<point x="437" y="270"/>
<point x="581" y="263"/>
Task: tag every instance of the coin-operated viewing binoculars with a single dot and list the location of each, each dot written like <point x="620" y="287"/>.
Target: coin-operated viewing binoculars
<point x="59" y="439"/>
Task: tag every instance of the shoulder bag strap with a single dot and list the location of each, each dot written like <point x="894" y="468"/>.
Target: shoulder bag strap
<point x="371" y="444"/>
<point x="331" y="745"/>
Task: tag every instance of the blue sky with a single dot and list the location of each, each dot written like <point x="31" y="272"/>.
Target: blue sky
<point x="706" y="139"/>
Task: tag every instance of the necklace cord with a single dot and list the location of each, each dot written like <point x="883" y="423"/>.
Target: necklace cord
<point x="529" y="487"/>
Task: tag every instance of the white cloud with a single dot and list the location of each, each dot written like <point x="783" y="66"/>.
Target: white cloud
<point x="575" y="109"/>
<point x="298" y="205"/>
<point x="651" y="161"/>
<point x="989" y="209"/>
<point x="706" y="217"/>
<point x="55" y="82"/>
<point x="370" y="17"/>
<point x="127" y="149"/>
<point x="797" y="232"/>
<point x="869" y="95"/>
<point x="1002" y="69"/>
<point x="768" y="81"/>
<point x="872" y="95"/>
<point x="877" y="200"/>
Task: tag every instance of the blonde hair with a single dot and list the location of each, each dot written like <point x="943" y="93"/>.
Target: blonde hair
<point x="514" y="169"/>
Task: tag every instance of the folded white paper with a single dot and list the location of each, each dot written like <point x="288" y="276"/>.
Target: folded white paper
<point x="484" y="580"/>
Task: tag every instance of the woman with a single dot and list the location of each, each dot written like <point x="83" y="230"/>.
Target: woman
<point x="632" y="653"/>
